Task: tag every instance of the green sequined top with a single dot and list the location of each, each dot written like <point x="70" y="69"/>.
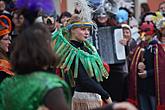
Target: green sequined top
<point x="26" y="92"/>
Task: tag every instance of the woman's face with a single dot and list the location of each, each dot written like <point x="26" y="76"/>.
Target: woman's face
<point x="162" y="39"/>
<point x="126" y="33"/>
<point x="162" y="30"/>
<point x="2" y="5"/>
<point x="5" y="42"/>
<point x="162" y="8"/>
<point x="64" y="20"/>
<point x="18" y="20"/>
<point x="80" y="34"/>
<point x="102" y="19"/>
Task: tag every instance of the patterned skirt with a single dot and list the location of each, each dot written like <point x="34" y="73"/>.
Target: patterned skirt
<point x="86" y="101"/>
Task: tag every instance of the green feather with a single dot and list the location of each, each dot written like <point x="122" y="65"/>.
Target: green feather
<point x="58" y="43"/>
<point x="62" y="58"/>
<point x="71" y="60"/>
<point x="76" y="65"/>
<point x="90" y="66"/>
<point x="67" y="59"/>
<point x="60" y="48"/>
<point x="96" y="70"/>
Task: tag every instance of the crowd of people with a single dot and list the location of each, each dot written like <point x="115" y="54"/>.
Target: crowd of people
<point x="49" y="62"/>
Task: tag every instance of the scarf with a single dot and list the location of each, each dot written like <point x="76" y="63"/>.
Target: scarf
<point x="67" y="53"/>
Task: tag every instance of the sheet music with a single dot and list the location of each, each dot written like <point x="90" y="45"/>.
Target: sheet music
<point x="120" y="49"/>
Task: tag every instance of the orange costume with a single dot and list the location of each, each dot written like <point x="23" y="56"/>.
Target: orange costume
<point x="5" y="67"/>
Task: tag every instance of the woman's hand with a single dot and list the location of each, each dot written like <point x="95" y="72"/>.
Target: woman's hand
<point x="141" y="67"/>
<point x="143" y="74"/>
<point x="109" y="100"/>
<point x="123" y="106"/>
<point x="42" y="108"/>
<point x="123" y="42"/>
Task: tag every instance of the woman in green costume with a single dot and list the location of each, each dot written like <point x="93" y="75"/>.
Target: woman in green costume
<point x="33" y="88"/>
<point x="81" y="65"/>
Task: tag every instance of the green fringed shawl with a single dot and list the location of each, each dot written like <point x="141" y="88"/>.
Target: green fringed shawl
<point x="67" y="53"/>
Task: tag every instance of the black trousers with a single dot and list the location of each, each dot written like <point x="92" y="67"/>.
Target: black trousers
<point x="116" y="85"/>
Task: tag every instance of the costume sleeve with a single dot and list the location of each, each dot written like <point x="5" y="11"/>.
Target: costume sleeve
<point x="32" y="90"/>
<point x="90" y="84"/>
<point x="54" y="83"/>
<point x="58" y="102"/>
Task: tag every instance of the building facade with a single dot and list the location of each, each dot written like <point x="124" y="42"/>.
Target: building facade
<point x="63" y="5"/>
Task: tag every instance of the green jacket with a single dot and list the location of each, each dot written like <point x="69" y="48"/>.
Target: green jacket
<point x="26" y="92"/>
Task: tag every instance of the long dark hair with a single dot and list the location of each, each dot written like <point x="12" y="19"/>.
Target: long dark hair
<point x="145" y="7"/>
<point x="32" y="50"/>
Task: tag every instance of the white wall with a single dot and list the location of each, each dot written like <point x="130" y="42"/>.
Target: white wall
<point x="57" y="4"/>
<point x="137" y="7"/>
<point x="70" y="5"/>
